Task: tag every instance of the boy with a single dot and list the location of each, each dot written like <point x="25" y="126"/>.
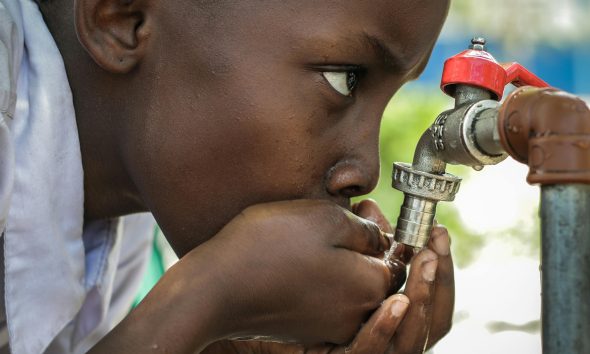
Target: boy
<point x="244" y="127"/>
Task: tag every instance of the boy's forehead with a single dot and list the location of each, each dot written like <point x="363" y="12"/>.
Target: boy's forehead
<point x="387" y="14"/>
<point x="397" y="25"/>
<point x="399" y="30"/>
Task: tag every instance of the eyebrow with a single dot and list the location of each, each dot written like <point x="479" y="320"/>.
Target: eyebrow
<point x="389" y="55"/>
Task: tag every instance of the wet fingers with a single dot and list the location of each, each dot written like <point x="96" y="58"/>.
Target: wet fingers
<point x="444" y="298"/>
<point x="369" y="210"/>
<point x="412" y="334"/>
<point x="376" y="334"/>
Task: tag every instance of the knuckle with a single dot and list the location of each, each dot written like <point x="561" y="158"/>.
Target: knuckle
<point x="421" y="298"/>
<point x="447" y="325"/>
<point x="439" y="230"/>
<point x="425" y="305"/>
<point x="371" y="234"/>
<point x="446" y="328"/>
<point x="445" y="279"/>
<point x="441" y="331"/>
<point x="371" y="228"/>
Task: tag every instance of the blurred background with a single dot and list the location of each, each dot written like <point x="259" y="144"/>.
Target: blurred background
<point x="494" y="220"/>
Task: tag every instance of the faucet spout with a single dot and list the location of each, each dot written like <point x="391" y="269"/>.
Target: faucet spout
<point x="427" y="158"/>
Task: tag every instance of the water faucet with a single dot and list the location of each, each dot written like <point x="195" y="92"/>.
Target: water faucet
<point x="547" y="129"/>
<point x="467" y="135"/>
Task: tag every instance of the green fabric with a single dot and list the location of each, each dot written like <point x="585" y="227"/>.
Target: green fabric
<point x="154" y="271"/>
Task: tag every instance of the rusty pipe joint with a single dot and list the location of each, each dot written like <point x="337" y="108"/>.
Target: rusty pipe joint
<point x="549" y="130"/>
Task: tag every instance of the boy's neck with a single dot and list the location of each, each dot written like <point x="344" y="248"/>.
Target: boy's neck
<point x="108" y="190"/>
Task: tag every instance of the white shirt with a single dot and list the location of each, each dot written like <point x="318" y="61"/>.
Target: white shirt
<point x="66" y="284"/>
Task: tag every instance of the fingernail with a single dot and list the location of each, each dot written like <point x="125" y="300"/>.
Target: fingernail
<point x="441" y="244"/>
<point x="429" y="270"/>
<point x="399" y="307"/>
<point x="388" y="238"/>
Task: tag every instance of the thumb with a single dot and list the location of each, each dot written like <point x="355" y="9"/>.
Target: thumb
<point x="375" y="335"/>
<point x="363" y="236"/>
<point x="368" y="209"/>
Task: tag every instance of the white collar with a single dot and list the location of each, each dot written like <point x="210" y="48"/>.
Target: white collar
<point x="44" y="252"/>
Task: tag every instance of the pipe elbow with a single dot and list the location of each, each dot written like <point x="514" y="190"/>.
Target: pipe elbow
<point x="427" y="158"/>
<point x="549" y="130"/>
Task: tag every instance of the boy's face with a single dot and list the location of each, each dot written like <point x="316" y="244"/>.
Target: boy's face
<point x="258" y="101"/>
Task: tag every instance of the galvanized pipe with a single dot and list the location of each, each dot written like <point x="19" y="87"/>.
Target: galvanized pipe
<point x="565" y="222"/>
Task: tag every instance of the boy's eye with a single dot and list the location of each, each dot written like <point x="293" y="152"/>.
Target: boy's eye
<point x="342" y="81"/>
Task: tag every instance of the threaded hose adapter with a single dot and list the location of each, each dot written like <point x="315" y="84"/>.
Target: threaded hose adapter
<point x="422" y="192"/>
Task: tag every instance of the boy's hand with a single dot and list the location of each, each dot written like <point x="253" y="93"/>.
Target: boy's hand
<point x="430" y="290"/>
<point x="306" y="271"/>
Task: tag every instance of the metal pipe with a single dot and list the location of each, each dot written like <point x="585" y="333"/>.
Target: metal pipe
<point x="565" y="223"/>
<point x="486" y="133"/>
<point x="549" y="130"/>
<point x="424" y="184"/>
<point x="468" y="94"/>
<point x="427" y="158"/>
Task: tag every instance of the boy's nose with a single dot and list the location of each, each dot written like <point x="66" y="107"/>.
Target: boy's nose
<point x="353" y="178"/>
<point x="357" y="173"/>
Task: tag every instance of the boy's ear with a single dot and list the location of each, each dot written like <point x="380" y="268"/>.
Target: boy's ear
<point x="113" y="32"/>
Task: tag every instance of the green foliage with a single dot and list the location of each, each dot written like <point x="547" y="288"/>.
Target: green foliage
<point x="524" y="243"/>
<point x="407" y="116"/>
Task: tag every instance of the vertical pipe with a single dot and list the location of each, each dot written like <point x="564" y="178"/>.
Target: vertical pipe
<point x="565" y="218"/>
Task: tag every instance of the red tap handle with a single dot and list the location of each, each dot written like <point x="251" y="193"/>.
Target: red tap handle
<point x="479" y="68"/>
<point x="519" y="76"/>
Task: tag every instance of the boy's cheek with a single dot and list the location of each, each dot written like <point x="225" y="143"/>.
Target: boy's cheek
<point x="244" y="161"/>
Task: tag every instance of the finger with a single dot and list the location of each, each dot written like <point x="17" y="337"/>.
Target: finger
<point x="397" y="269"/>
<point x="406" y="253"/>
<point x="444" y="297"/>
<point x="354" y="208"/>
<point x="412" y="333"/>
<point x="375" y="335"/>
<point x="363" y="236"/>
<point x="401" y="252"/>
<point x="369" y="210"/>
